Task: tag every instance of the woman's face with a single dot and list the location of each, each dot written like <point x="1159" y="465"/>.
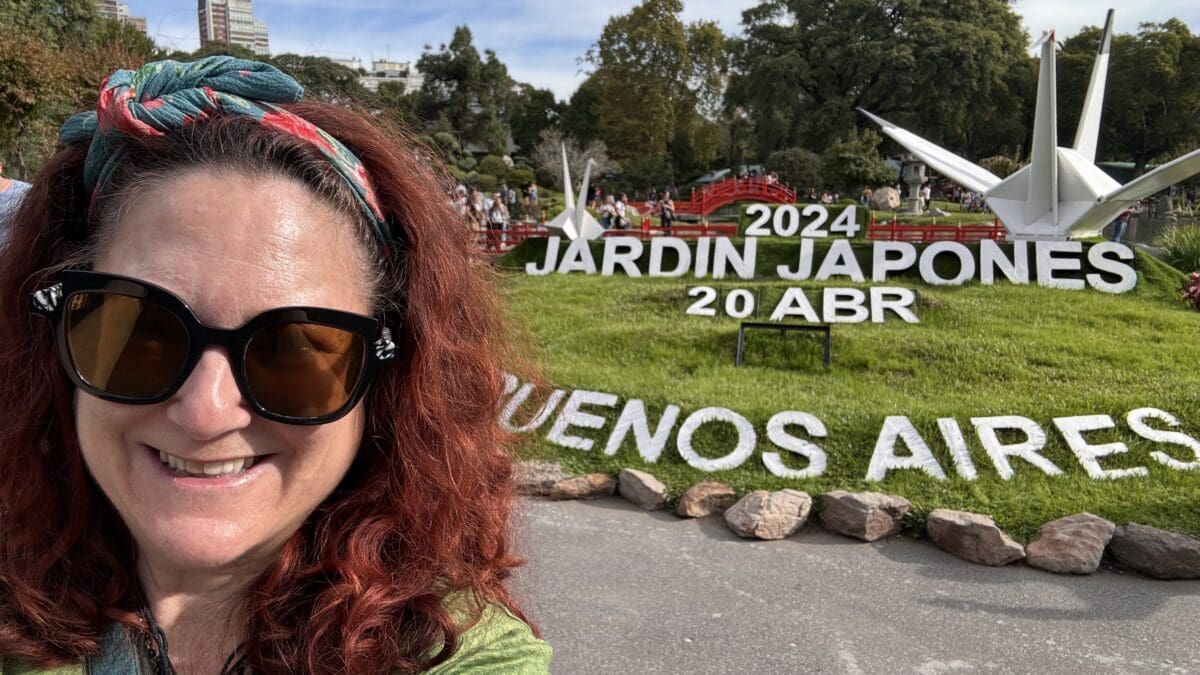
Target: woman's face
<point x="231" y="246"/>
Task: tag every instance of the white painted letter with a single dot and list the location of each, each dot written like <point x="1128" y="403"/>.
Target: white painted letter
<point x="1072" y="429"/>
<point x="571" y="415"/>
<point x="627" y="259"/>
<point x="551" y="258"/>
<point x="991" y="259"/>
<point x="656" y="257"/>
<point x="884" y="458"/>
<point x="725" y="253"/>
<point x="953" y="436"/>
<point x="898" y="300"/>
<point x="777" y="432"/>
<point x="578" y="258"/>
<point x="539" y="418"/>
<point x="1126" y="276"/>
<point x="1137" y="423"/>
<point x="881" y="263"/>
<point x="1047" y="264"/>
<point x="835" y="300"/>
<point x="840" y="261"/>
<point x="966" y="263"/>
<point x="794" y="303"/>
<point x="1035" y="439"/>
<point x="634" y="417"/>
<point x="745" y="445"/>
<point x="803" y="266"/>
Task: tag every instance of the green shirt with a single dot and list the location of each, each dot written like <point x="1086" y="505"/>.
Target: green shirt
<point x="499" y="643"/>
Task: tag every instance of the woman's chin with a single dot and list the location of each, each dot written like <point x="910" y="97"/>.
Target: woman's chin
<point x="204" y="545"/>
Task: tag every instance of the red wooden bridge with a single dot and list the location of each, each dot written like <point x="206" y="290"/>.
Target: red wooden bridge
<point x="723" y="193"/>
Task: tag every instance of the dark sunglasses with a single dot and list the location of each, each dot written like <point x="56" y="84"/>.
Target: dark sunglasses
<point x="129" y="341"/>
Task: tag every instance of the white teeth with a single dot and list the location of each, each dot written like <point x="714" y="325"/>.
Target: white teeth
<point x="225" y="468"/>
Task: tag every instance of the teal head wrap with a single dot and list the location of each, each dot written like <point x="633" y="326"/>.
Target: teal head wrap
<point x="164" y="96"/>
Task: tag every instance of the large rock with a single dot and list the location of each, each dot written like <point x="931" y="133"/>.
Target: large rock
<point x="863" y="515"/>
<point x="972" y="537"/>
<point x="769" y="515"/>
<point x="706" y="498"/>
<point x="590" y="486"/>
<point x="1156" y="552"/>
<point x="536" y="478"/>
<point x="885" y="199"/>
<point x="642" y="489"/>
<point x="1071" y="545"/>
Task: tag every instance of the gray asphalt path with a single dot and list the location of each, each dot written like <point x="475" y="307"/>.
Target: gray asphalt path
<point x="617" y="590"/>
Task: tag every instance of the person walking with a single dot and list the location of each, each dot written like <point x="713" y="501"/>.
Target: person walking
<point x="667" y="208"/>
<point x="497" y="218"/>
<point x="622" y="208"/>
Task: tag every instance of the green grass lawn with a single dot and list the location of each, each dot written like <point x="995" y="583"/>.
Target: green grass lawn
<point x="978" y="351"/>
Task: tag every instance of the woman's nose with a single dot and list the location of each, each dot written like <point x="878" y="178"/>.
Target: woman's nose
<point x="209" y="404"/>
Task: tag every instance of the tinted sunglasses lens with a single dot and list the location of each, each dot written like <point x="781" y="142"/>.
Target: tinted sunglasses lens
<point x="304" y="370"/>
<point x="124" y="346"/>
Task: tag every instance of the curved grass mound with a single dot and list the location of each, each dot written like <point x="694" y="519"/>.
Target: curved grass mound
<point x="978" y="352"/>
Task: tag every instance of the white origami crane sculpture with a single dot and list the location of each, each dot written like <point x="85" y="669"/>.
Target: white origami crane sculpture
<point x="1061" y="192"/>
<point x="575" y="222"/>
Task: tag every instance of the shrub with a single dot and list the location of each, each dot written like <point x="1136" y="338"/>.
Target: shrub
<point x="1000" y="165"/>
<point x="797" y="167"/>
<point x="1182" y="246"/>
<point x="518" y="177"/>
<point x="487" y="182"/>
<point x="853" y="160"/>
<point x="467" y="163"/>
<point x="493" y="165"/>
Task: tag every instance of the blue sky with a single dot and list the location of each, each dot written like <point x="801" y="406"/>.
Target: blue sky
<point x="540" y="40"/>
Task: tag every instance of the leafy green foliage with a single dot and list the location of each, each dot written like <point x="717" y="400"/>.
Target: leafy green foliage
<point x="493" y="165"/>
<point x="1181" y="244"/>
<point x="322" y="78"/>
<point x="1152" y="104"/>
<point x="1001" y="165"/>
<point x="659" y="86"/>
<point x="852" y="161"/>
<point x="533" y="110"/>
<point x="797" y="167"/>
<point x="472" y="93"/>
<point x="59" y="23"/>
<point x="945" y="68"/>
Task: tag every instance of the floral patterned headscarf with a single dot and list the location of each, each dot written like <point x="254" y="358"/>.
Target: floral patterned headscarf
<point x="163" y="96"/>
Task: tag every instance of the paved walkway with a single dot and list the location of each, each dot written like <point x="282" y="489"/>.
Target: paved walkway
<point x="616" y="590"/>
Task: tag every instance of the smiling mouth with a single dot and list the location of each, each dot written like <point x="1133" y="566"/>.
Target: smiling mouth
<point x="185" y="467"/>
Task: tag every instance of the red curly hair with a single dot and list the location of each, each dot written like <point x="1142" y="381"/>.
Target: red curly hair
<point x="423" y="512"/>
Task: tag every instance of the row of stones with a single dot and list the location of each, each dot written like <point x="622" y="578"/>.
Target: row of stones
<point x="1071" y="545"/>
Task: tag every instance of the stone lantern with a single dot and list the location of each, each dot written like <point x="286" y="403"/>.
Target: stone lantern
<point x="912" y="172"/>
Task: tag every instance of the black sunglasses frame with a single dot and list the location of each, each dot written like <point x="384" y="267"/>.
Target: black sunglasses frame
<point x="377" y="338"/>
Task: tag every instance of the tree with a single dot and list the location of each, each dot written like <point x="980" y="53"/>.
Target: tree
<point x="322" y="78"/>
<point x="49" y="69"/>
<point x="126" y="38"/>
<point x="641" y="61"/>
<point x="547" y="157"/>
<point x="940" y="67"/>
<point x="852" y="161"/>
<point x="581" y="118"/>
<point x="58" y="23"/>
<point x="225" y="49"/>
<point x="659" y="89"/>
<point x="471" y="93"/>
<point x="796" y="167"/>
<point x="533" y="110"/>
<point x="1152" y="102"/>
